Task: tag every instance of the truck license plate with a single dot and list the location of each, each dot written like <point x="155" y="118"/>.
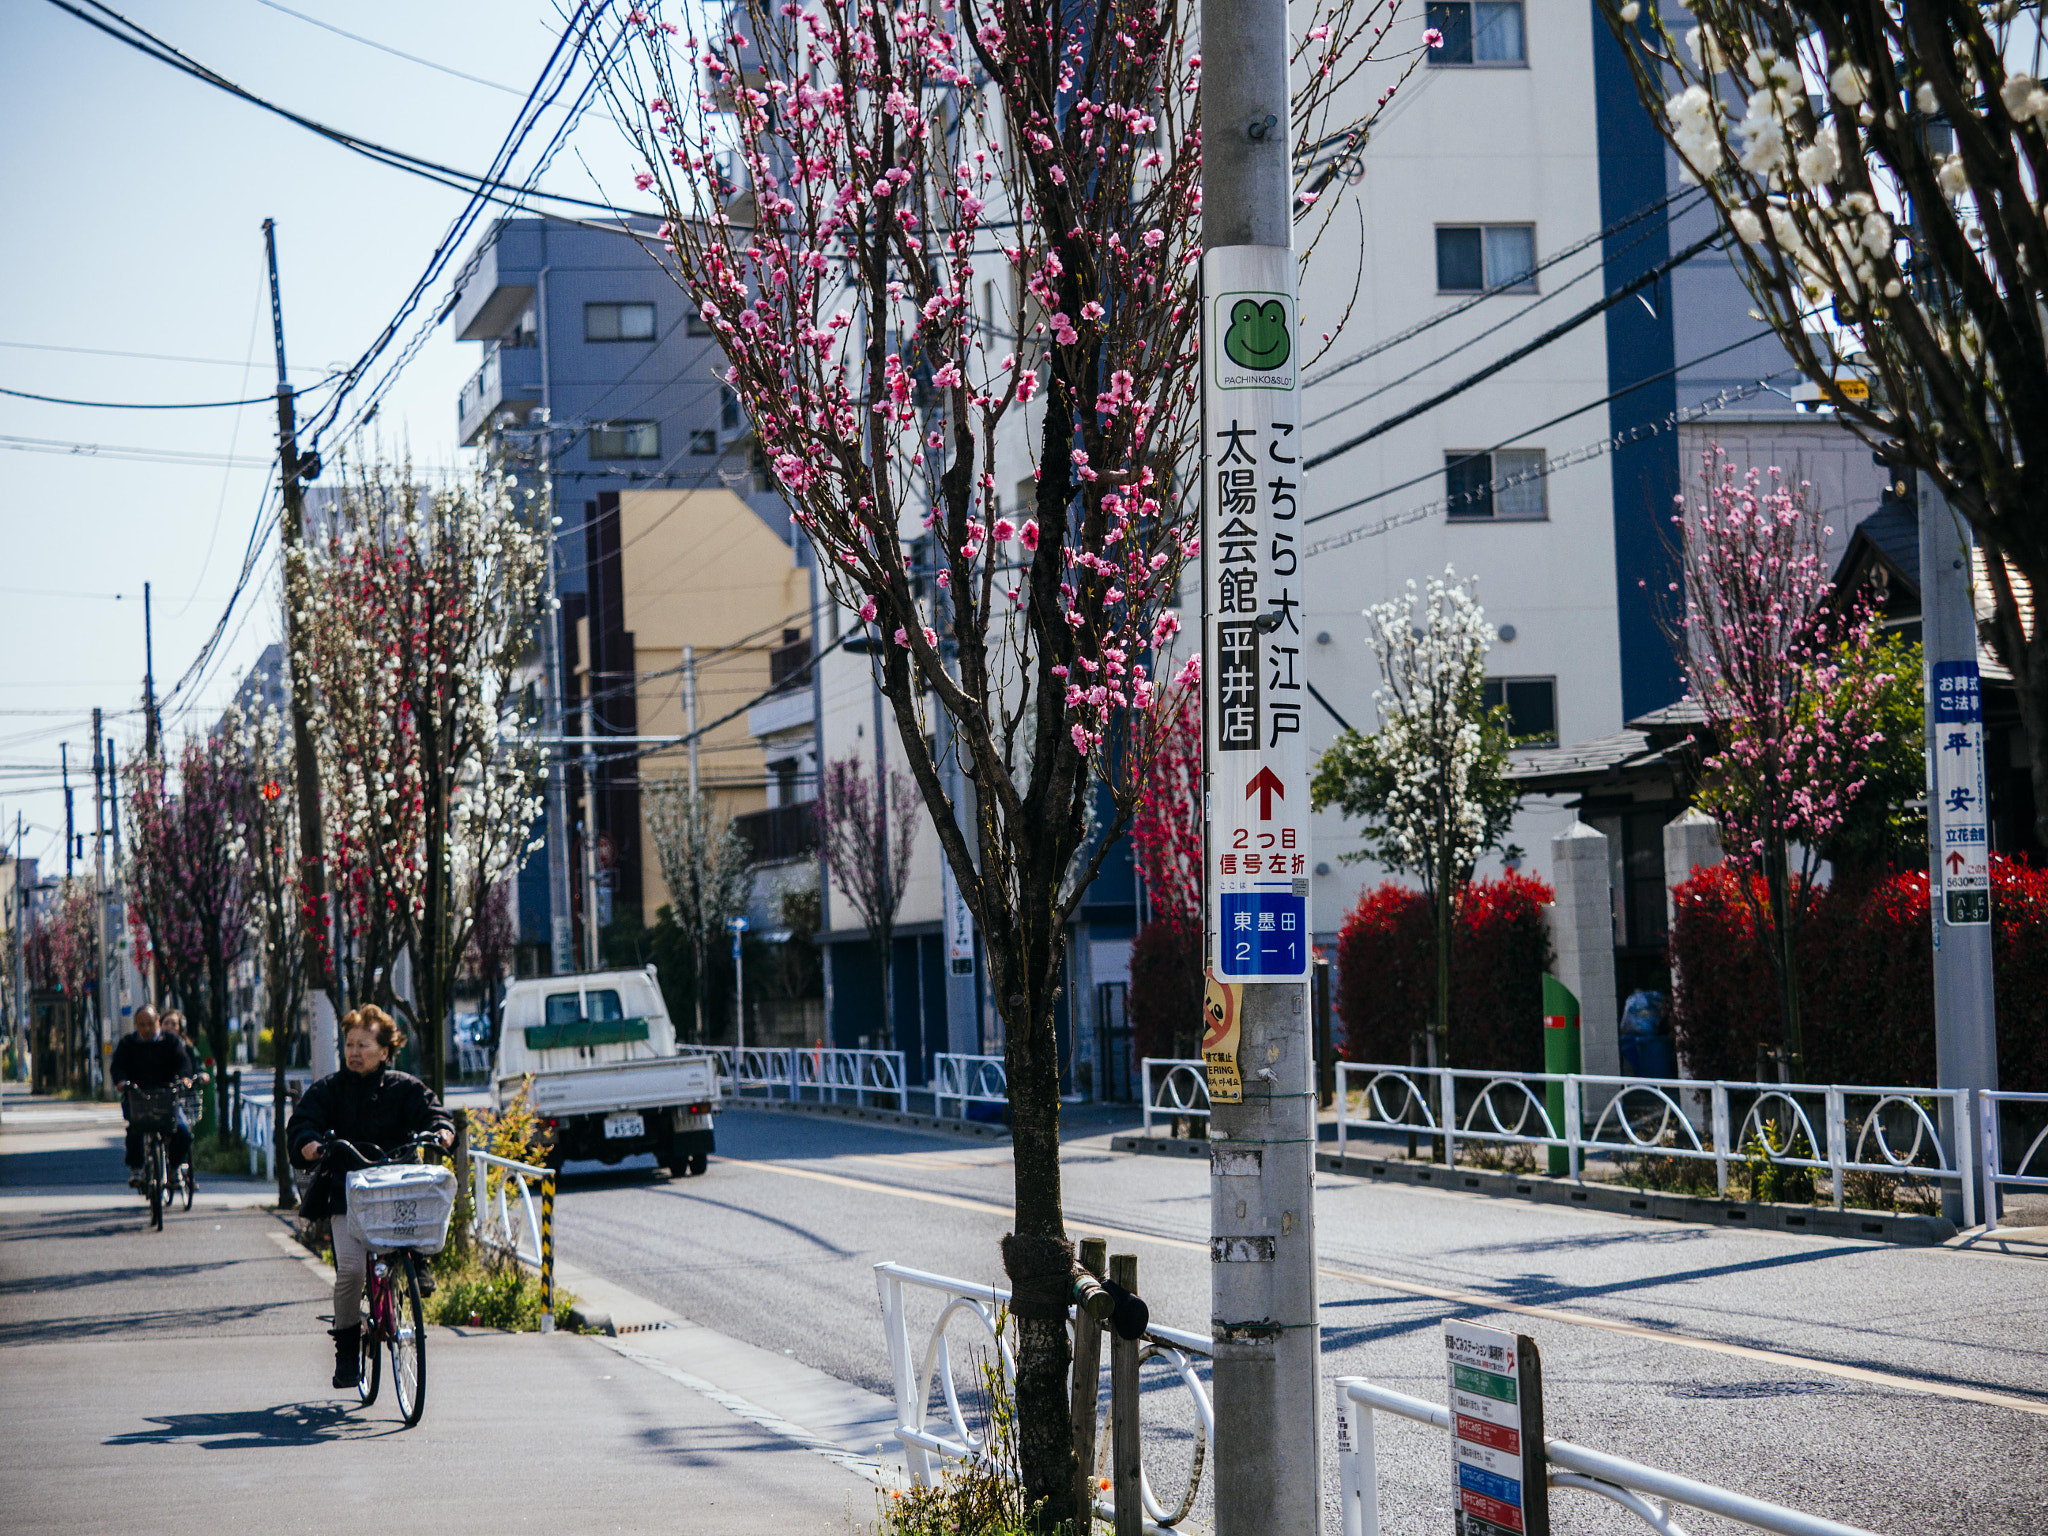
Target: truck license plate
<point x="617" y="1126"/>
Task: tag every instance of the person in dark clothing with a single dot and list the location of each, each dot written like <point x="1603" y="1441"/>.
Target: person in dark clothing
<point x="148" y="1059"/>
<point x="373" y="1107"/>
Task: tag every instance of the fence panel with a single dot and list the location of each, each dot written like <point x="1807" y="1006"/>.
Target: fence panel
<point x="2030" y="1169"/>
<point x="1180" y="1088"/>
<point x="966" y="1080"/>
<point x="823" y="1075"/>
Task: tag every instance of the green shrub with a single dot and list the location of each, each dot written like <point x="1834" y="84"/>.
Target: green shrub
<point x="490" y="1292"/>
<point x="212" y="1154"/>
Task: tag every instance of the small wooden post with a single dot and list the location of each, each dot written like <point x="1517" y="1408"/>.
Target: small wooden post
<point x="1087" y="1390"/>
<point x="1123" y="1411"/>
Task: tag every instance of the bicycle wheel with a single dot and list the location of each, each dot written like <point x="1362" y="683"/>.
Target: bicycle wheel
<point x="187" y="1183"/>
<point x="156" y="1178"/>
<point x="408" y="1341"/>
<point x="376" y="1309"/>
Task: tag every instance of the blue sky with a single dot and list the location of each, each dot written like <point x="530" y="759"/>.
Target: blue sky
<point x="134" y="199"/>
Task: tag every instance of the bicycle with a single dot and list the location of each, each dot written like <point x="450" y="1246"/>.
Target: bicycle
<point x="191" y="1104"/>
<point x="394" y="1314"/>
<point x="155" y="1111"/>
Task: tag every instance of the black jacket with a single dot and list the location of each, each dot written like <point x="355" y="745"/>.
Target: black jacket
<point x="375" y="1111"/>
<point x="154" y="1063"/>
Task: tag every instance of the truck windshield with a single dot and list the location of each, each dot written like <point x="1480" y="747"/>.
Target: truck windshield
<point x="568" y="1007"/>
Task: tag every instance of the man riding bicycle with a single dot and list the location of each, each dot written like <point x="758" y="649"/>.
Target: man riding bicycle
<point x="149" y="1059"/>
<point x="371" y="1105"/>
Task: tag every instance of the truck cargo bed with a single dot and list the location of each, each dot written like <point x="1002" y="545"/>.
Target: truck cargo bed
<point x="665" y="1081"/>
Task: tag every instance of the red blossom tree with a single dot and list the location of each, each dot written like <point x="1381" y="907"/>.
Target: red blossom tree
<point x="1759" y="639"/>
<point x="922" y="235"/>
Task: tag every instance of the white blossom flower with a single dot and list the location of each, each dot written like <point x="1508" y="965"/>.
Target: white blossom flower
<point x="1691" y="114"/>
<point x="1763" y="130"/>
<point x="1923" y="98"/>
<point x="1954" y="182"/>
<point x="1850" y="84"/>
<point x="1748" y="227"/>
<point x="2024" y="98"/>
<point x="1821" y="161"/>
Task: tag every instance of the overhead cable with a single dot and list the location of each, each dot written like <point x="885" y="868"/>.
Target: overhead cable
<point x="129" y="405"/>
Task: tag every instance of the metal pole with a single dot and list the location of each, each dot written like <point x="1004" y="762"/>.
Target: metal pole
<point x="64" y="777"/>
<point x="547" y="1252"/>
<point x="1965" y="1013"/>
<point x="556" y="804"/>
<point x="149" y="721"/>
<point x="1261" y="1181"/>
<point x="690" y="713"/>
<point x="305" y="760"/>
<point x="103" y="995"/>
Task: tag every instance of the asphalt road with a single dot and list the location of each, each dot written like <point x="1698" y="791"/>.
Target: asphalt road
<point x="1845" y="1379"/>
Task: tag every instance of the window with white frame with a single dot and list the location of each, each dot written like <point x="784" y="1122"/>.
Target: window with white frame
<point x="1477" y="32"/>
<point x="1495" y="485"/>
<point x="1471" y="258"/>
<point x="618" y="322"/>
<point x="626" y="440"/>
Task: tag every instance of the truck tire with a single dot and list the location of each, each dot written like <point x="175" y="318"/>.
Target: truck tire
<point x="699" y="1162"/>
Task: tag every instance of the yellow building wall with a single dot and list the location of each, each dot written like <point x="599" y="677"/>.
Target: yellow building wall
<point x="700" y="568"/>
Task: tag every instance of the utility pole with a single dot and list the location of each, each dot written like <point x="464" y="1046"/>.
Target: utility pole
<point x="64" y="775"/>
<point x="1262" y="1251"/>
<point x="149" y="720"/>
<point x="690" y="712"/>
<point x="1958" y="840"/>
<point x="103" y="994"/>
<point x="305" y="761"/>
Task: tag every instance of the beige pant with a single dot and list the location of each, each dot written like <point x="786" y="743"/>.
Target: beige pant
<point x="351" y="1270"/>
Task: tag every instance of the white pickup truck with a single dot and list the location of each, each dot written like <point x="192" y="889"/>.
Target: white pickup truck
<point x="607" y="1081"/>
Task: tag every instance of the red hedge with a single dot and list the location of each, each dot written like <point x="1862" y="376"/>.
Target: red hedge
<point x="1165" y="999"/>
<point x="1500" y="948"/>
<point x="1866" y="980"/>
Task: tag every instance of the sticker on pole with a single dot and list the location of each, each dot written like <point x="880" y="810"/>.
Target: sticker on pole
<point x="1222" y="1018"/>
<point x="1499" y="1486"/>
<point x="1254" y="678"/>
<point x="1964" y="854"/>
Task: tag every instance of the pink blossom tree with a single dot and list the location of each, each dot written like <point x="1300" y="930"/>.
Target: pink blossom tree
<point x="937" y="240"/>
<point x="868" y="829"/>
<point x="1791" y="730"/>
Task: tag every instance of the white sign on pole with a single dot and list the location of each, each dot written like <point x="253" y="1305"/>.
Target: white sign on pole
<point x="1961" y="798"/>
<point x="1498" y="1483"/>
<point x="959" y="923"/>
<point x="1254" y="680"/>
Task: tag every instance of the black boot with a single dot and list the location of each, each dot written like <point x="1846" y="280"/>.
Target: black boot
<point x="348" y="1355"/>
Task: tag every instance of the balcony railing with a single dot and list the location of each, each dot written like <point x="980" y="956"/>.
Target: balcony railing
<point x="781" y="833"/>
<point x="789" y="665"/>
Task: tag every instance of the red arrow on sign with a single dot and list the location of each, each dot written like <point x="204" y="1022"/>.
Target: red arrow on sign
<point x="1265" y="784"/>
<point x="1955" y="863"/>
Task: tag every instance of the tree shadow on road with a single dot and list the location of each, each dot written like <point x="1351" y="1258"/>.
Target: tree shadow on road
<point x="285" y="1426"/>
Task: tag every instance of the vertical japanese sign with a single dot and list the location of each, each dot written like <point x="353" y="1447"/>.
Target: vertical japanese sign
<point x="959" y="923"/>
<point x="1253" y="680"/>
<point x="1498" y="1482"/>
<point x="1958" y="747"/>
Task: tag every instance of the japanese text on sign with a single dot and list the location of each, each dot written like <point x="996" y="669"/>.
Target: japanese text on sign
<point x="1498" y="1485"/>
<point x="1254" y="683"/>
<point x="1963" y="852"/>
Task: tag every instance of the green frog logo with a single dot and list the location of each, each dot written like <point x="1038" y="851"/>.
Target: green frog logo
<point x="1257" y="336"/>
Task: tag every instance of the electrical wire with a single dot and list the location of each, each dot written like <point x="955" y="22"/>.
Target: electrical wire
<point x="129" y="405"/>
<point x="154" y="47"/>
<point x="1577" y="410"/>
<point x="1555" y="333"/>
<point x="396" y="53"/>
<point x="151" y="357"/>
<point x="122" y="453"/>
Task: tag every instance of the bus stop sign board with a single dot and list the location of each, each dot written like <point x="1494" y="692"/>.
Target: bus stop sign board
<point x="1498" y="1481"/>
<point x="1254" y="682"/>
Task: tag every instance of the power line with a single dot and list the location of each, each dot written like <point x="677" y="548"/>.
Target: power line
<point x="1577" y="410"/>
<point x="117" y="451"/>
<point x="1556" y="332"/>
<point x="153" y="357"/>
<point x="151" y="46"/>
<point x="396" y="53"/>
<point x="129" y="405"/>
<point x="1497" y="289"/>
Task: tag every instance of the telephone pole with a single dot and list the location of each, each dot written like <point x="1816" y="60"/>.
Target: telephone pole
<point x="1262" y="1251"/>
<point x="103" y="998"/>
<point x="149" y="720"/>
<point x="312" y="857"/>
<point x="70" y="828"/>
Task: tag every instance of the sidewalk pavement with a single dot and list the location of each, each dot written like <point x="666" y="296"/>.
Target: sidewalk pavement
<point x="162" y="1380"/>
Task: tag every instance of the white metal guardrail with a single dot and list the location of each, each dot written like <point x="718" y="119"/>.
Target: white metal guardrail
<point x="1835" y="1129"/>
<point x="1645" y="1492"/>
<point x="513" y="1209"/>
<point x="916" y="1375"/>
<point x="808" y="1073"/>
<point x="966" y="1080"/>
<point x="255" y="1123"/>
<point x="1178" y="1089"/>
<point x="2035" y="1158"/>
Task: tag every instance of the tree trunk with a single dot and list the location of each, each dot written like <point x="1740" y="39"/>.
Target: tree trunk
<point x="1779" y="885"/>
<point x="217" y="1042"/>
<point x="280" y="1035"/>
<point x="1045" y="1445"/>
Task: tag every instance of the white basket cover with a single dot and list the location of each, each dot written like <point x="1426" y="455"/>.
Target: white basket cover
<point x="401" y="1205"/>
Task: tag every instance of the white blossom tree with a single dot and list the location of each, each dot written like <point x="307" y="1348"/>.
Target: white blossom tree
<point x="1882" y="164"/>
<point x="707" y="868"/>
<point x="1431" y="783"/>
<point x="419" y="612"/>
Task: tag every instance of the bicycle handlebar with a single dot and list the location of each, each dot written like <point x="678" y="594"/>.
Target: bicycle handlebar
<point x="422" y="1139"/>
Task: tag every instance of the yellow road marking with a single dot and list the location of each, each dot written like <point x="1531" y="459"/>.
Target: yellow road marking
<point x="1474" y="1299"/>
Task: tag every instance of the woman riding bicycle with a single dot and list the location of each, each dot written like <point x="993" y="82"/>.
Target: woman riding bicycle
<point x="374" y="1107"/>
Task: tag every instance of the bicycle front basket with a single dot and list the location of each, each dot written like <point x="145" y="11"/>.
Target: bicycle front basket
<point x="401" y="1205"/>
<point x="152" y="1109"/>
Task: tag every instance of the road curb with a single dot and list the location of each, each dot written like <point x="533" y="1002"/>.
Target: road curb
<point x="1616" y="1199"/>
<point x="980" y="1130"/>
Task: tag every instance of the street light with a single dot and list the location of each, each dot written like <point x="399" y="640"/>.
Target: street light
<point x="738" y="925"/>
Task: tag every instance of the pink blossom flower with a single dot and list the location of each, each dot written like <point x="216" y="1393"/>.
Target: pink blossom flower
<point x="1432" y="38"/>
<point x="1028" y="534"/>
<point x="867" y="611"/>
